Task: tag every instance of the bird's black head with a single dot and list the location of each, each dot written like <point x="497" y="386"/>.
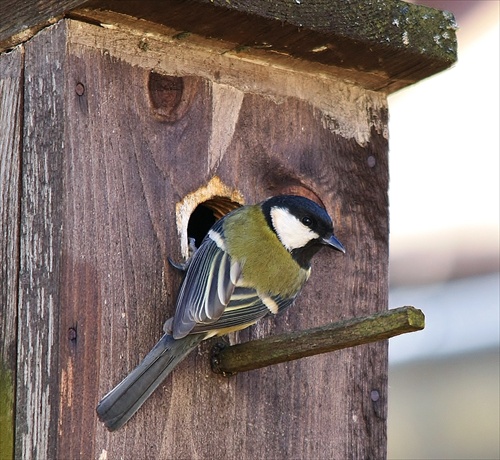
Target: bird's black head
<point x="302" y="226"/>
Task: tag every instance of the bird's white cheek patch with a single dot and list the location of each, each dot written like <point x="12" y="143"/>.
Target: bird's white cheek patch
<point x="292" y="233"/>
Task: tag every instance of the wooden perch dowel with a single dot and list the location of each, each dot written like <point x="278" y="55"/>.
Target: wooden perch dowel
<point x="229" y="360"/>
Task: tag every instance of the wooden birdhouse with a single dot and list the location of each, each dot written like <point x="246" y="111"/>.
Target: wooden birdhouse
<point x="128" y="127"/>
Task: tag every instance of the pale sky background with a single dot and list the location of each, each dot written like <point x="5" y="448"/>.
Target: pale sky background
<point x="444" y="145"/>
<point x="445" y="197"/>
<point x="444" y="203"/>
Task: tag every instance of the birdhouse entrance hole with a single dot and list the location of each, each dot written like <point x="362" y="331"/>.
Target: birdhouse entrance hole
<point x="206" y="214"/>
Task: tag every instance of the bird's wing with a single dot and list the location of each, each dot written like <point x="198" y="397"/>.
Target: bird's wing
<point x="207" y="288"/>
<point x="211" y="298"/>
<point x="245" y="308"/>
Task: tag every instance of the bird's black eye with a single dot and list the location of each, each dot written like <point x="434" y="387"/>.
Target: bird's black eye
<point x="307" y="221"/>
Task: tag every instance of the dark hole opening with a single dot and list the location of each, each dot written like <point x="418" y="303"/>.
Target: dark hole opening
<point x="200" y="222"/>
<point x="206" y="214"/>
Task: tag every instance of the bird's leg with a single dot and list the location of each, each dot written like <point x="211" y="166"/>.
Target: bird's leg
<point x="191" y="250"/>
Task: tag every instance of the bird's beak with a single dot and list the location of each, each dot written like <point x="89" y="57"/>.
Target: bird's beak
<point x="334" y="243"/>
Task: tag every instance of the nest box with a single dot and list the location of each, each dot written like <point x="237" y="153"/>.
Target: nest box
<point x="128" y="127"/>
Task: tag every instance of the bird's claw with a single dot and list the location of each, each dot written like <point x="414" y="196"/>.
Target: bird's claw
<point x="184" y="266"/>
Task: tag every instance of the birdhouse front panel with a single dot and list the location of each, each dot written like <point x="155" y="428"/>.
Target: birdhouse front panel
<point x="160" y="134"/>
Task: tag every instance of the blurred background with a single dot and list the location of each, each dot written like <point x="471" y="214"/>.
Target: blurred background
<point x="445" y="211"/>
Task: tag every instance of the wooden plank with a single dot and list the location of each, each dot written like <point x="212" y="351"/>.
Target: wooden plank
<point x="11" y="68"/>
<point x="116" y="285"/>
<point x="127" y="167"/>
<point x="21" y="19"/>
<point x="384" y="45"/>
<point x="40" y="248"/>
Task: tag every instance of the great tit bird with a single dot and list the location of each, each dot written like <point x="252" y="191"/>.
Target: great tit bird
<point x="253" y="262"/>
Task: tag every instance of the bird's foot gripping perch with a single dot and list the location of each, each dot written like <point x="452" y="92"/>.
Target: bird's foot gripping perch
<point x="184" y="266"/>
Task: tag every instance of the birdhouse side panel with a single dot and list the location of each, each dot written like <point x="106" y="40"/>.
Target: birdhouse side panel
<point x="11" y="67"/>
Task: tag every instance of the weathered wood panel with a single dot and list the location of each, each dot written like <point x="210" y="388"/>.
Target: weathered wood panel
<point x="11" y="72"/>
<point x="383" y="45"/>
<point x="21" y="19"/>
<point x="111" y="149"/>
<point x="40" y="247"/>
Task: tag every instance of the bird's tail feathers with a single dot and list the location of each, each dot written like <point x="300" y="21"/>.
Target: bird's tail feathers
<point x="123" y="401"/>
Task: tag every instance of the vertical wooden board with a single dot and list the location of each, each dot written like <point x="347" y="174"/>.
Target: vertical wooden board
<point x="121" y="185"/>
<point x="11" y="91"/>
<point x="40" y="245"/>
<point x="321" y="407"/>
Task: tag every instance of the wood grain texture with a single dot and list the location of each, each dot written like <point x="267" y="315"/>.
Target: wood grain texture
<point x="277" y="349"/>
<point x="113" y="144"/>
<point x="40" y="248"/>
<point x="160" y="49"/>
<point x="21" y="19"/>
<point x="11" y="71"/>
<point x="383" y="45"/>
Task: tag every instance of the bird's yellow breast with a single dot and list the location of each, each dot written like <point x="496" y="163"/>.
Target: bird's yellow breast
<point x="266" y="264"/>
